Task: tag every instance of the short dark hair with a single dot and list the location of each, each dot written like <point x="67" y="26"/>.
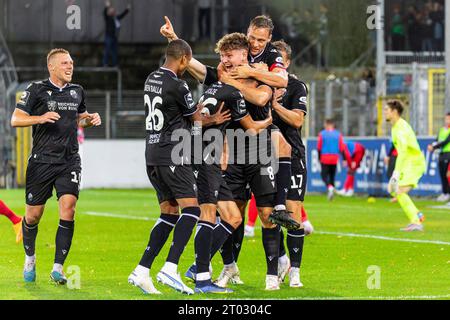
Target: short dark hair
<point x="282" y="46"/>
<point x="329" y="121"/>
<point x="262" y="21"/>
<point x="232" y="41"/>
<point x="177" y="49"/>
<point x="396" y="105"/>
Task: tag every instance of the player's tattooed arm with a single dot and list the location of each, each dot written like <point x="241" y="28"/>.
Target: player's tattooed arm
<point x="295" y="118"/>
<point x="277" y="78"/>
<point x="87" y="120"/>
<point x="257" y="95"/>
<point x="21" y="118"/>
<point x="255" y="127"/>
<point x="195" y="68"/>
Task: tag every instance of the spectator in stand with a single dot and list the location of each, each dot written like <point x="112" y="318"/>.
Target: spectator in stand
<point x="427" y="29"/>
<point x="204" y="18"/>
<point x="397" y="31"/>
<point x="112" y="26"/>
<point x="414" y="29"/>
<point x="437" y="15"/>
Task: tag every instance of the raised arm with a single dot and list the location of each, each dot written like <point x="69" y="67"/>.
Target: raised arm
<point x="195" y="68"/>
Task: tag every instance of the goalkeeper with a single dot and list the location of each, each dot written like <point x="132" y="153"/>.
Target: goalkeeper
<point x="410" y="165"/>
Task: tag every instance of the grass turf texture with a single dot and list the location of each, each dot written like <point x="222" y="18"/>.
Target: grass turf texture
<point x="107" y="249"/>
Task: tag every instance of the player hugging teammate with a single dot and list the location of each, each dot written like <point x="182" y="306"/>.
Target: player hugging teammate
<point x="250" y="91"/>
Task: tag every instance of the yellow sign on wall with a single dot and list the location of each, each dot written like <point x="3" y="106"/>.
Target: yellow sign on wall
<point x="23" y="149"/>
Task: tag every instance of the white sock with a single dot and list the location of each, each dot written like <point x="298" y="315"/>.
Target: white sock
<point x="203" y="276"/>
<point x="58" y="267"/>
<point x="170" y="267"/>
<point x="279" y="207"/>
<point x="283" y="258"/>
<point x="30" y="259"/>
<point x="141" y="270"/>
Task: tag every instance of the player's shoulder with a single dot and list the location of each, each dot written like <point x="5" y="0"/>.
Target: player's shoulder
<point x="36" y="85"/>
<point x="271" y="49"/>
<point x="231" y="90"/>
<point x="295" y="82"/>
<point x="75" y="86"/>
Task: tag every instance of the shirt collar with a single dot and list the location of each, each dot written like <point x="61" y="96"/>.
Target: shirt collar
<point x="59" y="88"/>
<point x="259" y="54"/>
<point x="169" y="71"/>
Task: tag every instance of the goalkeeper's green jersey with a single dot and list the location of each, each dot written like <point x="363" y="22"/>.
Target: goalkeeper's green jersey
<point x="410" y="157"/>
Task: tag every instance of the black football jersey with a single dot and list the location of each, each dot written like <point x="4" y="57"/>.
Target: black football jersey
<point x="211" y="99"/>
<point x="270" y="56"/>
<point x="257" y="113"/>
<point x="54" y="142"/>
<point x="295" y="99"/>
<point x="168" y="105"/>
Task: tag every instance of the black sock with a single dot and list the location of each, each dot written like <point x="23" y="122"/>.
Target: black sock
<point x="221" y="233"/>
<point x="227" y="251"/>
<point x="63" y="240"/>
<point x="158" y="237"/>
<point x="295" y="240"/>
<point x="203" y="241"/>
<point x="283" y="179"/>
<point x="30" y="232"/>
<point x="182" y="233"/>
<point x="282" y="249"/>
<point x="238" y="238"/>
<point x="271" y="243"/>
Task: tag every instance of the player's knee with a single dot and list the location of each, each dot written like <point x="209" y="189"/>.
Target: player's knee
<point x="285" y="149"/>
<point x="32" y="219"/>
<point x="236" y="221"/>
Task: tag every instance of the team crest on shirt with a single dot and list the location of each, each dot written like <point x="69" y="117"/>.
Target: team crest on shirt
<point x="303" y="99"/>
<point x="74" y="94"/>
<point x="279" y="59"/>
<point x="49" y="92"/>
<point x="52" y="106"/>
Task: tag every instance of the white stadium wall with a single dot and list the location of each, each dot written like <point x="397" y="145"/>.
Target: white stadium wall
<point x="113" y="164"/>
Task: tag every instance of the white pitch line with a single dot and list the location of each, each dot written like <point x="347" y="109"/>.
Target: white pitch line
<point x="444" y="207"/>
<point x="115" y="215"/>
<point x="354" y="235"/>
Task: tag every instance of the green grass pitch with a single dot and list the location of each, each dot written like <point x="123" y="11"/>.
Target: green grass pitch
<point x="335" y="264"/>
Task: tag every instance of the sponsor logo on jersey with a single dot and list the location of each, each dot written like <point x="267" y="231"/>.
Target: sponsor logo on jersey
<point x="303" y="99"/>
<point x="52" y="106"/>
<point x="279" y="59"/>
<point x="74" y="94"/>
<point x="49" y="92"/>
